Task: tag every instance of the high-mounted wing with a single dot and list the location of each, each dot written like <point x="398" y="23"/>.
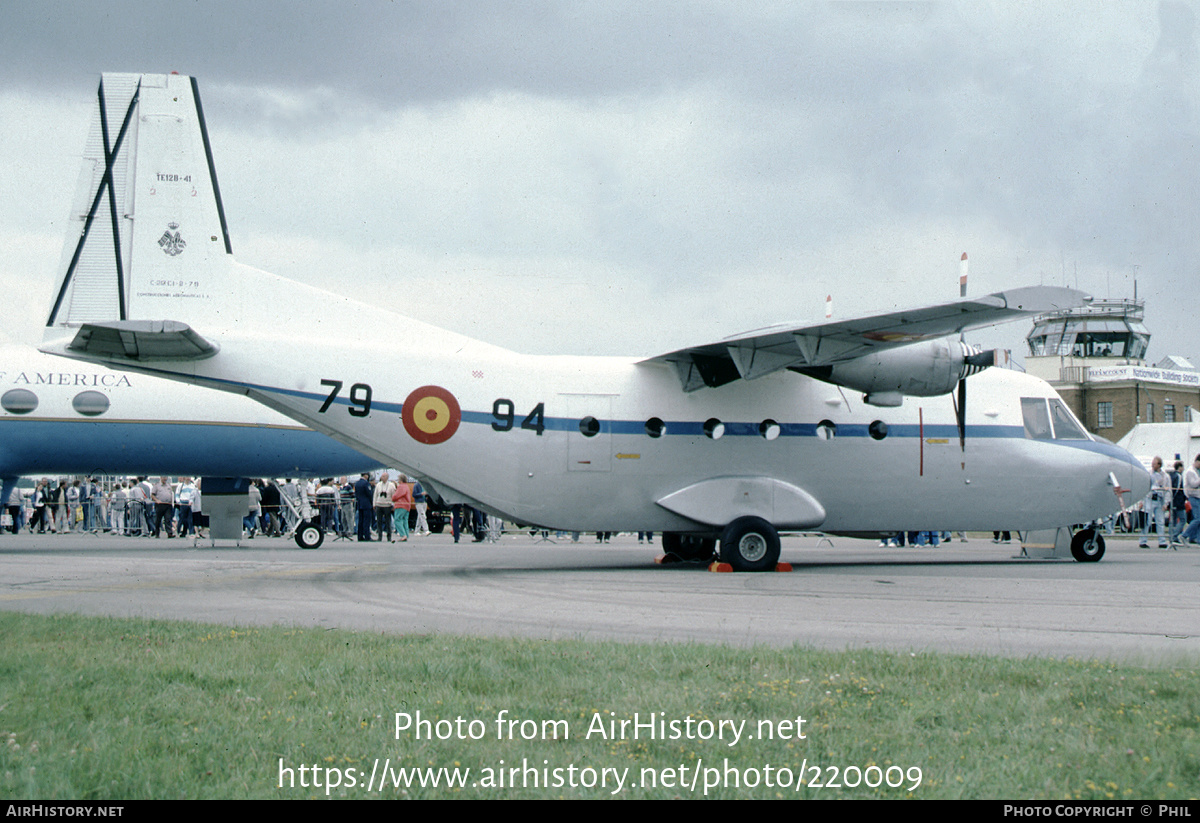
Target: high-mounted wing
<point x="813" y="349"/>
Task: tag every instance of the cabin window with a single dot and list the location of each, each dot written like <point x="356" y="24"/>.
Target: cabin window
<point x="826" y="430"/>
<point x="655" y="427"/>
<point x="878" y="429"/>
<point x="769" y="429"/>
<point x="18" y="401"/>
<point x="589" y="426"/>
<point x="714" y="429"/>
<point x="90" y="403"/>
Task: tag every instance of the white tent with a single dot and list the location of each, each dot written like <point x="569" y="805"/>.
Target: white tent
<point x="1170" y="441"/>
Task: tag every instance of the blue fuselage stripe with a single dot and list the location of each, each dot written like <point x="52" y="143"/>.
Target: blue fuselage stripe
<point x="688" y="428"/>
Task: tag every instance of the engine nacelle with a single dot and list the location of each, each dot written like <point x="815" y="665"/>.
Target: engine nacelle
<point x="924" y="369"/>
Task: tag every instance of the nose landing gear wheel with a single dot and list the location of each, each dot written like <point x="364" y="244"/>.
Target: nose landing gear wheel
<point x="1087" y="546"/>
<point x="309" y="535"/>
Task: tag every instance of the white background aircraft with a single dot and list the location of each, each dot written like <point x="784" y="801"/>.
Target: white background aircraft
<point x="59" y="417"/>
<point x="852" y="426"/>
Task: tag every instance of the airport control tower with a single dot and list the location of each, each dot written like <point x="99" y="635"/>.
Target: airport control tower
<point x="1094" y="357"/>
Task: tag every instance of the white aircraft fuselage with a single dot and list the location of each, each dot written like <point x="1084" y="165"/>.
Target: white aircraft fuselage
<point x="736" y="439"/>
<point x="518" y="449"/>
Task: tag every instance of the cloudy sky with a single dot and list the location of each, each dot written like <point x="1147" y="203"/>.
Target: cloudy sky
<point x="628" y="178"/>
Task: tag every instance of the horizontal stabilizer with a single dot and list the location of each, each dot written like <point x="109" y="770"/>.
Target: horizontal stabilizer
<point x="141" y="340"/>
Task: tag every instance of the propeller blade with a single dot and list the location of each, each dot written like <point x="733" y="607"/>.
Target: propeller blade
<point x="978" y="361"/>
<point x="960" y="414"/>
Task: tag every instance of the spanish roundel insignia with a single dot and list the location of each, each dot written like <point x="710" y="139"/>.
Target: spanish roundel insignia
<point x="431" y="415"/>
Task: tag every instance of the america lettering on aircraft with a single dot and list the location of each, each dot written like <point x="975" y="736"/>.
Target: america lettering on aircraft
<point x="107" y="380"/>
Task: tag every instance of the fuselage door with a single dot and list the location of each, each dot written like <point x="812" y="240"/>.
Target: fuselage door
<point x="589" y="431"/>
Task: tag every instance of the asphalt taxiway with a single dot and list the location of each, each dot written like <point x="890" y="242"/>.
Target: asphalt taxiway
<point x="1136" y="604"/>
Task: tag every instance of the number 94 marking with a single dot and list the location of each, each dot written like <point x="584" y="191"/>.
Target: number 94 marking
<point x="504" y="414"/>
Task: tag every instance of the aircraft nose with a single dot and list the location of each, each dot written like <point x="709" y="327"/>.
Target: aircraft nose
<point x="1134" y="477"/>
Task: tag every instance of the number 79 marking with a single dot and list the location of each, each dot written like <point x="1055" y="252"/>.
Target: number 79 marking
<point x="360" y="398"/>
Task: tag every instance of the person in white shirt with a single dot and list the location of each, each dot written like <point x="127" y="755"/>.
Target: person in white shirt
<point x="1155" y="504"/>
<point x="382" y="502"/>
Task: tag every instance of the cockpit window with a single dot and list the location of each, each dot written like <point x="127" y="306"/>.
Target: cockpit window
<point x="1066" y="427"/>
<point x="1050" y="419"/>
<point x="1037" y="420"/>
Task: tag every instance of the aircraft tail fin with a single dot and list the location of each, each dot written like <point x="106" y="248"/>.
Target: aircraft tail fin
<point x="149" y="239"/>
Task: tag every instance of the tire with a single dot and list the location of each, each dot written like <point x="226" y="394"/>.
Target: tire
<point x="689" y="547"/>
<point x="1087" y="546"/>
<point x="310" y="535"/>
<point x="750" y="544"/>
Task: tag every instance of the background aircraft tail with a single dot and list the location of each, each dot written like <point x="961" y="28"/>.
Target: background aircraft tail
<point x="150" y="240"/>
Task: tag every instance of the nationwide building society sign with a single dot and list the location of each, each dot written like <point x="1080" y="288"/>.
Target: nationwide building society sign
<point x="1113" y="374"/>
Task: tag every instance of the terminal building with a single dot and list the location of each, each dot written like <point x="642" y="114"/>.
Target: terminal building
<point x="1094" y="357"/>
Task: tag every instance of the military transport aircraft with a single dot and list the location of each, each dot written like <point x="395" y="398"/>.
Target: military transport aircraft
<point x="856" y="426"/>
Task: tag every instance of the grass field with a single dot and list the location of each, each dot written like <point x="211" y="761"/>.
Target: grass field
<point x="98" y="708"/>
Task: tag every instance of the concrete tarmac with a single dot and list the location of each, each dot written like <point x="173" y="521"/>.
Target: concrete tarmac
<point x="1136" y="605"/>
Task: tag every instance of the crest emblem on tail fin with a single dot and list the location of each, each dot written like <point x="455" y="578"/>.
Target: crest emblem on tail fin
<point x="172" y="244"/>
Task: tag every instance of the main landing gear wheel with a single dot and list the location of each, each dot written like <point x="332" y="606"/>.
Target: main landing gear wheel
<point x="1087" y="546"/>
<point x="750" y="544"/>
<point x="689" y="547"/>
<point x="309" y="535"/>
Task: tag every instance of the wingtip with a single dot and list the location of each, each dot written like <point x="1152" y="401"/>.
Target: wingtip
<point x="1042" y="299"/>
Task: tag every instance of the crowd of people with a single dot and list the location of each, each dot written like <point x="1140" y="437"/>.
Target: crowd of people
<point x="139" y="506"/>
<point x="395" y="509"/>
<point x="1173" y="505"/>
<point x="379" y="508"/>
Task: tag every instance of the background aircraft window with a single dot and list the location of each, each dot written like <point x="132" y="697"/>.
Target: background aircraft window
<point x="713" y="428"/>
<point x="878" y="429"/>
<point x="1065" y="426"/>
<point x="655" y="427"/>
<point x="589" y="426"/>
<point x="769" y="429"/>
<point x="90" y="403"/>
<point x="19" y="401"/>
<point x="1037" y="419"/>
<point x="827" y="430"/>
